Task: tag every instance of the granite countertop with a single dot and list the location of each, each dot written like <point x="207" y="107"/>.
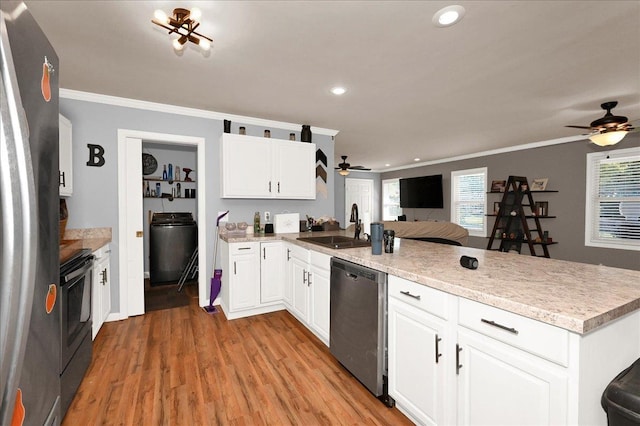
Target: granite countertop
<point x="88" y="238"/>
<point x="575" y="296"/>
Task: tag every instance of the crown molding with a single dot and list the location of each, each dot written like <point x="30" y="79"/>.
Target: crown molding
<point x="531" y="145"/>
<point x="191" y="112"/>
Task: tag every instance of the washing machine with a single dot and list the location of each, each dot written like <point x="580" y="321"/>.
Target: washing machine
<point x="173" y="237"/>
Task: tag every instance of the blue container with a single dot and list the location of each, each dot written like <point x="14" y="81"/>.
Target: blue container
<point x="170" y="171"/>
<point x="377" y="230"/>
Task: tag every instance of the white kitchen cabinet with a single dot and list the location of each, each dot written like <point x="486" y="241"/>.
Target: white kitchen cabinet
<point x="420" y="351"/>
<point x="66" y="157"/>
<point x="101" y="288"/>
<point x="298" y="278"/>
<point x="272" y="271"/>
<point x="254" y="167"/>
<point x="501" y="385"/>
<point x="242" y="293"/>
<point x="318" y="278"/>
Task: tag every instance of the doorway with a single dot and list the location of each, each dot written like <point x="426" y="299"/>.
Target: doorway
<point x="130" y="215"/>
<point x="360" y="192"/>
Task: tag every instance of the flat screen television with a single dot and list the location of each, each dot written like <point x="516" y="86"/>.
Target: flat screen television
<point x="423" y="192"/>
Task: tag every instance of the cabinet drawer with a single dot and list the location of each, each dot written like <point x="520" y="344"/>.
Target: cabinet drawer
<point x="426" y="298"/>
<point x="297" y="251"/>
<point x="102" y="252"/>
<point x="538" y="338"/>
<point x="320" y="260"/>
<point x="243" y="248"/>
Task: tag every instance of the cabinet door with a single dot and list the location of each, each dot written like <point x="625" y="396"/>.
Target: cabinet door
<point x="300" y="289"/>
<point x="417" y="362"/>
<point x="244" y="280"/>
<point x="66" y="155"/>
<point x="272" y="275"/>
<point x="319" y="275"/>
<point x="502" y="385"/>
<point x="96" y="301"/>
<point x="105" y="279"/>
<point x="289" y="277"/>
<point x="246" y="167"/>
<point x="295" y="170"/>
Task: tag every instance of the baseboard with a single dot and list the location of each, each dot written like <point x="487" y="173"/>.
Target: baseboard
<point x="115" y="316"/>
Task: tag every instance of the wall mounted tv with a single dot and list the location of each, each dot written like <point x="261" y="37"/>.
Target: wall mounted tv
<point x="423" y="192"/>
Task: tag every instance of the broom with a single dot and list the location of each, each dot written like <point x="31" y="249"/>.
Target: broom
<point x="216" y="278"/>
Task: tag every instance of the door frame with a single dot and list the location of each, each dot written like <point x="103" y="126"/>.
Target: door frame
<point x="129" y="179"/>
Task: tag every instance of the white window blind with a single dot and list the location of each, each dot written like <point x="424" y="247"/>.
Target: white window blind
<point x="613" y="199"/>
<point x="469" y="200"/>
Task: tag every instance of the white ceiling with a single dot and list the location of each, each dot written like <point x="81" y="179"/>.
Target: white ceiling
<point x="510" y="73"/>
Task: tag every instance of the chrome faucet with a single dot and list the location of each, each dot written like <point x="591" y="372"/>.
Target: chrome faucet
<point x="358" y="223"/>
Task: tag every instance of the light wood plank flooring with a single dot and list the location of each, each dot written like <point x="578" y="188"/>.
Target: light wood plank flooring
<point x="182" y="366"/>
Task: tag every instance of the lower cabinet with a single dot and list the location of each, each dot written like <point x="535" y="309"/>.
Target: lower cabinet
<point x="307" y="288"/>
<point x="101" y="289"/>
<point x="252" y="279"/>
<point x="455" y="361"/>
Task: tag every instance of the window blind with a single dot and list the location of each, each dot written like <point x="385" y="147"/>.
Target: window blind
<point x="468" y="200"/>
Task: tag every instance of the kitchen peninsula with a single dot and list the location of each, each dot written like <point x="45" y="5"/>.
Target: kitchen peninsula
<point x="516" y="330"/>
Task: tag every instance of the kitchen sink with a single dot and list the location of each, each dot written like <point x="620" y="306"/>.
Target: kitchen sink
<point x="336" y="241"/>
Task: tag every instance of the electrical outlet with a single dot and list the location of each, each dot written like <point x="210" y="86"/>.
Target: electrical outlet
<point x="267" y="216"/>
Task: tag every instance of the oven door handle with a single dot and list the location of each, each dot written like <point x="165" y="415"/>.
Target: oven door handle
<point x="88" y="264"/>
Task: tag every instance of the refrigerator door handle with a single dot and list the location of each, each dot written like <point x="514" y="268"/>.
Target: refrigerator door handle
<point x="19" y="230"/>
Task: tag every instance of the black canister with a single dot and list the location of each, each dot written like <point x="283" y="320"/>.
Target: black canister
<point x="389" y="237"/>
<point x="305" y="135"/>
<point x="227" y="126"/>
<point x="377" y="229"/>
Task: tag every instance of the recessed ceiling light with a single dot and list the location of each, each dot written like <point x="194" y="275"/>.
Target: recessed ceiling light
<point x="448" y="16"/>
<point x="387" y="165"/>
<point x="416" y="159"/>
<point x="338" y="90"/>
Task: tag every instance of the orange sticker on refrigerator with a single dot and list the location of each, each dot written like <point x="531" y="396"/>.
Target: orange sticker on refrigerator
<point x="45" y="84"/>
<point x="50" y="300"/>
<point x="18" y="410"/>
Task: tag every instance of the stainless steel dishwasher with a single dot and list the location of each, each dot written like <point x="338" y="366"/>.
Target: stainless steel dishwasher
<point x="358" y="324"/>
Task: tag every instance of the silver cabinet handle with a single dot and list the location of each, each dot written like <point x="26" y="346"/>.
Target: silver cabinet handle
<point x="458" y="365"/>
<point x="244" y="248"/>
<point x="500" y="326"/>
<point x="278" y="187"/>
<point x="415" y="296"/>
<point x="264" y="252"/>
<point x="288" y="254"/>
<point x="63" y="181"/>
<point x="269" y="186"/>
<point x="309" y="274"/>
<point x="235" y="272"/>
<point x="304" y="276"/>
<point x="438" y="354"/>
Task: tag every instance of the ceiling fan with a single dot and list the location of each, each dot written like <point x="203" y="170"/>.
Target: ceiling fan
<point x="344" y="167"/>
<point x="610" y="129"/>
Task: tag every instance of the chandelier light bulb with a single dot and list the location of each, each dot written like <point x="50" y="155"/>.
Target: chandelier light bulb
<point x="204" y="44"/>
<point x="177" y="45"/>
<point x="161" y="16"/>
<point x="195" y="14"/>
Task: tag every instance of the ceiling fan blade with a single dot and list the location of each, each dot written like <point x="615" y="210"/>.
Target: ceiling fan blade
<point x="579" y="127"/>
<point x="358" y="168"/>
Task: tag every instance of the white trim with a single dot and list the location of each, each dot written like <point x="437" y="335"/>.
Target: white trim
<point x="192" y="112"/>
<point x="515" y="148"/>
<point x="200" y="144"/>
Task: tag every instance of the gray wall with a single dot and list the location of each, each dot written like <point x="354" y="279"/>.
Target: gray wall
<point x="95" y="199"/>
<point x="565" y="166"/>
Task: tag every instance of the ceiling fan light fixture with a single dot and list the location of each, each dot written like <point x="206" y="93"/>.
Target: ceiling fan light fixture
<point x="338" y="90"/>
<point x="608" y="138"/>
<point x="448" y="16"/>
<point x="344" y="172"/>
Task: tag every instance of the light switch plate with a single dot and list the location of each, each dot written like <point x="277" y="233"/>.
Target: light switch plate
<point x="267" y="216"/>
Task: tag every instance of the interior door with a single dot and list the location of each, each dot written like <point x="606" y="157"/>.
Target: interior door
<point x="134" y="227"/>
<point x="360" y="192"/>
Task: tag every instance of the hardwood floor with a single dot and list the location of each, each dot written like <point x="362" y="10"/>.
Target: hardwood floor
<point x="183" y="366"/>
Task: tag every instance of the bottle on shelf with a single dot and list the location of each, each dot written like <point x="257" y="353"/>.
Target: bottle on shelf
<point x="256" y="223"/>
<point x="164" y="172"/>
<point x="147" y="192"/>
<point x="170" y="173"/>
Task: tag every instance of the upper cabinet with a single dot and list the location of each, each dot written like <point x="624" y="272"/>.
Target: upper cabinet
<point x="255" y="167"/>
<point x="66" y="172"/>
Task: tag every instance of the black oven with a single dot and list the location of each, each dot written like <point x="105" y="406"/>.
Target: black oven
<point x="75" y="323"/>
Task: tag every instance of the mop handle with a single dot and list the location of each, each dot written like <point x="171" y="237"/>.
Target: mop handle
<point x="215" y="249"/>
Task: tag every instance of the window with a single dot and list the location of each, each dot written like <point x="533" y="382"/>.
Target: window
<point x="469" y="200"/>
<point x="391" y="199"/>
<point x="612" y="216"/>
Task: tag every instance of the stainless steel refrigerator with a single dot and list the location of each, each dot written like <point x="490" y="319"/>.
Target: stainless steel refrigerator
<point x="29" y="254"/>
